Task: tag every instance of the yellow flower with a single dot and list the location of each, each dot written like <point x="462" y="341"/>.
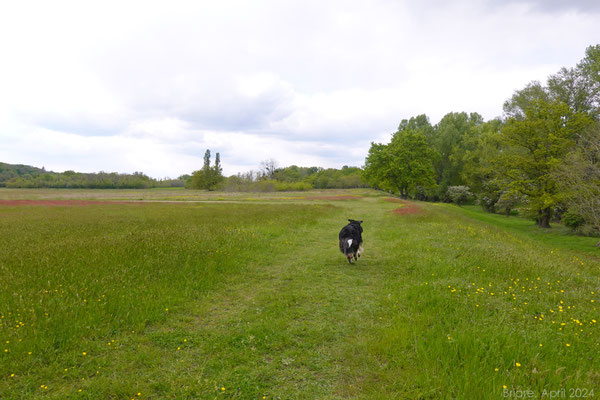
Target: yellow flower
<point x="84" y="353"/>
<point x="518" y="364"/>
<point x="568" y="345"/>
<point x="223" y="389"/>
<point x="496" y="369"/>
<point x="504" y="386"/>
<point x="541" y="345"/>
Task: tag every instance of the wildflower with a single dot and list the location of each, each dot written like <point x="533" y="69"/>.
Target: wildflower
<point x="568" y="345"/>
<point x="517" y="364"/>
<point x="223" y="389"/>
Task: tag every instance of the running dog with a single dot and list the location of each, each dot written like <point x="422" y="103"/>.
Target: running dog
<point x="351" y="240"/>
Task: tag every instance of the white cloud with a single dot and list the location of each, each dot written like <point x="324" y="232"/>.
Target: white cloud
<point x="143" y="85"/>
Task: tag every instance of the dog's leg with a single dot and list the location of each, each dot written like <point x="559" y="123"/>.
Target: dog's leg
<point x="360" y="250"/>
<point x="349" y="258"/>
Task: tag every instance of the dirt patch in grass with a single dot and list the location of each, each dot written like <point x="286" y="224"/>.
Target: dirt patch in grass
<point x="407" y="208"/>
<point x="341" y="197"/>
<point x="67" y="203"/>
<point x="395" y="200"/>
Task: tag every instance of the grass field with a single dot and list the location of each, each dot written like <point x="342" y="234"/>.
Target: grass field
<point x="246" y="296"/>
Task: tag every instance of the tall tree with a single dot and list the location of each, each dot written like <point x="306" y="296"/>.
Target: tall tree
<point x="579" y="178"/>
<point x="208" y="177"/>
<point x="403" y="164"/>
<point x="268" y="168"/>
<point x="455" y="134"/>
<point x="522" y="99"/>
<point x="536" y="142"/>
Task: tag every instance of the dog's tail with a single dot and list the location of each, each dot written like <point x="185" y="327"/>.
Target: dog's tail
<point x="345" y="244"/>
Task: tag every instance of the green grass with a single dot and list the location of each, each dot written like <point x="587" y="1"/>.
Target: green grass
<point x="557" y="236"/>
<point x="253" y="300"/>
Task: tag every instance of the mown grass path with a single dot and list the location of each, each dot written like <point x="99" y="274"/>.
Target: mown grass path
<point x="440" y="306"/>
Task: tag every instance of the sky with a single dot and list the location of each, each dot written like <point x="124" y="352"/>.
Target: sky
<point x="148" y="86"/>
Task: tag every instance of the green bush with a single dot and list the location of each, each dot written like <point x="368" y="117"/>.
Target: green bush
<point x="292" y="186"/>
<point x="572" y="220"/>
<point x="459" y="194"/>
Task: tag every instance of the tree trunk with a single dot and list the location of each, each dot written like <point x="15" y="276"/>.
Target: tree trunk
<point x="543" y="220"/>
<point x="403" y="192"/>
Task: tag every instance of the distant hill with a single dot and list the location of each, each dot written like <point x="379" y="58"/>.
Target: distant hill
<point x="11" y="171"/>
<point x="26" y="176"/>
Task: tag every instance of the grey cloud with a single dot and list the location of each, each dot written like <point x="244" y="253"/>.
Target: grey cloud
<point x="554" y="6"/>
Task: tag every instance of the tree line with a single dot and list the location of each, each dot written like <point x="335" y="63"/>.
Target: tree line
<point x="270" y="177"/>
<point x="25" y="176"/>
<point x="542" y="156"/>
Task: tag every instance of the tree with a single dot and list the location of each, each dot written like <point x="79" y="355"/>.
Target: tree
<point x="535" y="144"/>
<point x="268" y="168"/>
<point x="403" y="164"/>
<point x="455" y="134"/>
<point x="579" y="179"/>
<point x="523" y="99"/>
<point x="208" y="177"/>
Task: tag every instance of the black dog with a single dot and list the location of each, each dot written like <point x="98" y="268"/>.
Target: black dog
<point x="351" y="240"/>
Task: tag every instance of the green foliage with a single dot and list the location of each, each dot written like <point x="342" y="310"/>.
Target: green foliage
<point x="403" y="165"/>
<point x="10" y="172"/>
<point x="455" y="136"/>
<point x="331" y="178"/>
<point x="578" y="178"/>
<point x="24" y="176"/>
<point x="573" y="220"/>
<point x="459" y="194"/>
<point x="292" y="186"/>
<point x="295" y="178"/>
<point x="535" y="143"/>
<point x="507" y="202"/>
<point x="208" y="177"/>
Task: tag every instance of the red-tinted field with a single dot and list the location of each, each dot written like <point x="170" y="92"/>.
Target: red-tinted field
<point x="408" y="207"/>
<point x="58" y="202"/>
<point x="344" y="197"/>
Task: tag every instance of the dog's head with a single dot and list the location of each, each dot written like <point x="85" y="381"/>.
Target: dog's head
<point x="356" y="224"/>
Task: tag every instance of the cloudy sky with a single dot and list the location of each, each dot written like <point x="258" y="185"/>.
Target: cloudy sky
<point x="147" y="86"/>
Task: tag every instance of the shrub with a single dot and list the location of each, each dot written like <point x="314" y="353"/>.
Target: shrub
<point x="506" y="203"/>
<point x="572" y="220"/>
<point x="292" y="186"/>
<point x="459" y="194"/>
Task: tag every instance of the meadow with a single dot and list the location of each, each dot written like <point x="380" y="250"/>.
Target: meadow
<point x="197" y="295"/>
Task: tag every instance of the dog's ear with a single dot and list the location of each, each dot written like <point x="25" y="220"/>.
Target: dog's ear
<point x="360" y="222"/>
<point x="351" y="220"/>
